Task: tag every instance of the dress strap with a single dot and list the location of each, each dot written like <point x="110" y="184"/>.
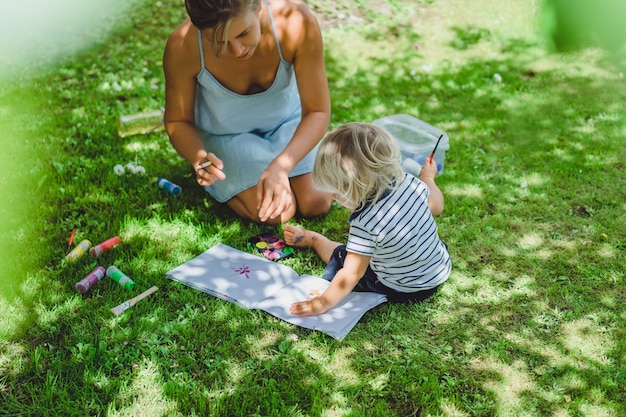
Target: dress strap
<point x="201" y="49"/>
<point x="269" y="8"/>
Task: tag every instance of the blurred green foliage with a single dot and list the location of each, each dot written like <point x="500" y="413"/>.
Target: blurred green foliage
<point x="577" y="24"/>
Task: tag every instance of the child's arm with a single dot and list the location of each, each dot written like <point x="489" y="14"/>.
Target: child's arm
<point x="354" y="268"/>
<point x="427" y="175"/>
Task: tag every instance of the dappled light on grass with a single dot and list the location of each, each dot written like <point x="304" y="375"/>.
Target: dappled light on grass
<point x="47" y="306"/>
<point x="569" y="348"/>
<point x="175" y="240"/>
<point x="530" y="323"/>
<point x="142" y="147"/>
<point x="510" y="384"/>
<point x="467" y="190"/>
<point x="339" y="365"/>
<point x="262" y="344"/>
<point x="607" y="251"/>
<point x="583" y="347"/>
<point x="530" y="241"/>
<point x="13" y="358"/>
<point x="144" y="396"/>
<point x="489" y="288"/>
<point x="46" y="316"/>
<point x="587" y="340"/>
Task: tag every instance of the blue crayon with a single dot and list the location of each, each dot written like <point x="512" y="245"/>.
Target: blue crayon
<point x="169" y="186"/>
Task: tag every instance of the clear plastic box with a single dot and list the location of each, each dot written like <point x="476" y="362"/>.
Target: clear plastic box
<point x="417" y="139"/>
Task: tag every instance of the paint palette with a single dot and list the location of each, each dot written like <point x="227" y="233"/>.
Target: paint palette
<point x="270" y="246"/>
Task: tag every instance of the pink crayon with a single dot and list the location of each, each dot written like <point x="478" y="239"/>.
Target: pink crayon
<point x="102" y="247"/>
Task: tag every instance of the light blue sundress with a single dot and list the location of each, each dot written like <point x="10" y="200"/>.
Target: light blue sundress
<point x="248" y="131"/>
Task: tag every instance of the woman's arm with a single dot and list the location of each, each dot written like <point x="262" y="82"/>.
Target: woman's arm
<point x="312" y="81"/>
<point x="181" y="63"/>
<point x="343" y="283"/>
<point x="305" y="40"/>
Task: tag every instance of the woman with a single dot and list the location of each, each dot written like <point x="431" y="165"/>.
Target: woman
<point x="247" y="102"/>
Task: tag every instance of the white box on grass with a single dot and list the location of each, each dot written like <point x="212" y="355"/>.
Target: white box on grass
<point x="417" y="139"/>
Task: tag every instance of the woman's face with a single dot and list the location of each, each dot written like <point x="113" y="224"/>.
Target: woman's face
<point x="242" y="37"/>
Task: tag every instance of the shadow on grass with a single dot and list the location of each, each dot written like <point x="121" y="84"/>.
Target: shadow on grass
<point x="529" y="323"/>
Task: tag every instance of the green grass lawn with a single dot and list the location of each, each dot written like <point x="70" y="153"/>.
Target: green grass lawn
<point x="531" y="322"/>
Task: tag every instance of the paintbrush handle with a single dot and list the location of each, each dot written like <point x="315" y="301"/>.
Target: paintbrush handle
<point x="141" y="296"/>
<point x="432" y="155"/>
<point x="129" y="303"/>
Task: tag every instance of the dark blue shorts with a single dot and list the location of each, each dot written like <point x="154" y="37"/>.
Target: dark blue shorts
<point x="370" y="282"/>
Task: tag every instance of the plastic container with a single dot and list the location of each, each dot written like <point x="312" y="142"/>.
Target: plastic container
<point x="140" y="123"/>
<point x="417" y="139"/>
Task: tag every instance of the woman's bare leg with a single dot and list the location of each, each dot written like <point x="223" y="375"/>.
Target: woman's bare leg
<point x="244" y="205"/>
<point x="307" y="202"/>
<point x="303" y="238"/>
<point x="311" y="202"/>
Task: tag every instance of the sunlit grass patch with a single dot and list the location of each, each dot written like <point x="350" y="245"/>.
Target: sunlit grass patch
<point x="144" y="396"/>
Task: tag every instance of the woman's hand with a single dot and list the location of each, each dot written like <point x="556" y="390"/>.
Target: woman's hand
<point x="274" y="192"/>
<point x="209" y="170"/>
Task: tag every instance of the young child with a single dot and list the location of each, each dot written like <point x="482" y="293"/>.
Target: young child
<point x="393" y="247"/>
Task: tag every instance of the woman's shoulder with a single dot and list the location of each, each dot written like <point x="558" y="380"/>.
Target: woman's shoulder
<point x="296" y="25"/>
<point x="182" y="33"/>
<point x="293" y="13"/>
<point x="182" y="43"/>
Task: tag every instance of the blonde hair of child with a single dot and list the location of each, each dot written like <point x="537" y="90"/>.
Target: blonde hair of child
<point x="358" y="162"/>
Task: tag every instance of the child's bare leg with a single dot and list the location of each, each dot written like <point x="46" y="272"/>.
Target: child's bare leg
<point x="303" y="238"/>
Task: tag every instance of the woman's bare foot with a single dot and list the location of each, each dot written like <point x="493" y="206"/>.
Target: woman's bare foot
<point x="298" y="237"/>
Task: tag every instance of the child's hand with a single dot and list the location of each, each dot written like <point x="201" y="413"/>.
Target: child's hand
<point x="310" y="307"/>
<point x="429" y="170"/>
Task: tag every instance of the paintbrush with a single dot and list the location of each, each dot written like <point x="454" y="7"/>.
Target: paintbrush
<point x="129" y="303"/>
<point x="204" y="165"/>
<point x="432" y="155"/>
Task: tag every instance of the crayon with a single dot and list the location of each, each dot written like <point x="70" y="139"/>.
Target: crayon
<point x="168" y="186"/>
<point x="71" y="240"/>
<point x="78" y="251"/>
<point x="118" y="276"/>
<point x="102" y="247"/>
<point x="90" y="279"/>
